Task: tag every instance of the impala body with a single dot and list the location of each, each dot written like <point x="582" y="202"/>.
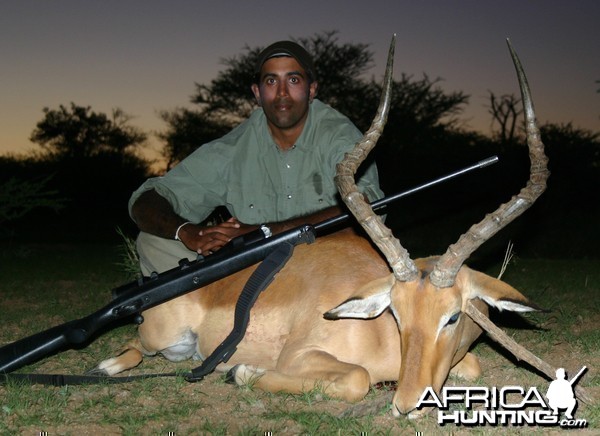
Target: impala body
<point x="291" y="346"/>
<point x="340" y="315"/>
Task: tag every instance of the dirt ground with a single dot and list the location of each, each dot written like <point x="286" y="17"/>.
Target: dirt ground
<point x="160" y="406"/>
<point x="164" y="406"/>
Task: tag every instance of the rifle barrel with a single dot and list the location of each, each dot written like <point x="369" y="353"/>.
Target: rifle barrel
<point x="379" y="205"/>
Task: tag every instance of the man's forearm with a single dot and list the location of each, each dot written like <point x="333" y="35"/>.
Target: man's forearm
<point x="154" y="214"/>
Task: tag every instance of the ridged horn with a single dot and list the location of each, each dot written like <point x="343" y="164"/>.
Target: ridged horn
<point x="446" y="269"/>
<point x="398" y="258"/>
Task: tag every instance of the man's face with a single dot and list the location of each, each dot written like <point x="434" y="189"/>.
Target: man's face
<point x="284" y="93"/>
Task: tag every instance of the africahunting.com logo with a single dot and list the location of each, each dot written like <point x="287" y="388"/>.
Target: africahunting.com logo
<point x="509" y="405"/>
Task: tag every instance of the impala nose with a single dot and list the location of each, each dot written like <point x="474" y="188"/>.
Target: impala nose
<point x="406" y="405"/>
<point x="403" y="403"/>
<point x="411" y="414"/>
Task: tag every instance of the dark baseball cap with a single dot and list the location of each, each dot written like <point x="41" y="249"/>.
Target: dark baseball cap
<point x="287" y="48"/>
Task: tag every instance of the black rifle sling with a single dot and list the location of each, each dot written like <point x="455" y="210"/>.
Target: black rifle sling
<point x="73" y="380"/>
<point x="258" y="282"/>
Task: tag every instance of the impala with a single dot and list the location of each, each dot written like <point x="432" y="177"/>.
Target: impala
<point x="341" y="316"/>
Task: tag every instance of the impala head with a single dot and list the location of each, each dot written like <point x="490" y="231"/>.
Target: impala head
<point x="427" y="297"/>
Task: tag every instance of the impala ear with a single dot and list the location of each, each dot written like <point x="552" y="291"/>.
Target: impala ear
<point x="496" y="293"/>
<point x="371" y="300"/>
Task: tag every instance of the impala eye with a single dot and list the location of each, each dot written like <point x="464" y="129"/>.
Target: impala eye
<point x="453" y="318"/>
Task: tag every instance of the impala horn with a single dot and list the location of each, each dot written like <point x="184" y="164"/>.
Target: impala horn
<point x="446" y="269"/>
<point x="398" y="258"/>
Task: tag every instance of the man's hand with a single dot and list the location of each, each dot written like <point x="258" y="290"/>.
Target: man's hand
<point x="206" y="240"/>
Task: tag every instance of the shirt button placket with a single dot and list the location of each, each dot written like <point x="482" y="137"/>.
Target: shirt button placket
<point x="288" y="188"/>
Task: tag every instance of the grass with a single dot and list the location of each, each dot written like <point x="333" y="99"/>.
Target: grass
<point x="42" y="286"/>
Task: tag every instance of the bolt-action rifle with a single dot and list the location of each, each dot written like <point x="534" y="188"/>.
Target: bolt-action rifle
<point x="133" y="298"/>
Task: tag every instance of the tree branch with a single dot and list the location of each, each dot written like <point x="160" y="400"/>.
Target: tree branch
<point x="520" y="352"/>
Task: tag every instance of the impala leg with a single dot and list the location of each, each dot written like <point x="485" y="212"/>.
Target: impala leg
<point x="468" y="368"/>
<point x="175" y="341"/>
<point x="130" y="357"/>
<point x="315" y="369"/>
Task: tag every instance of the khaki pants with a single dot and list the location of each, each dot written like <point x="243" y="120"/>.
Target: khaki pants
<point x="160" y="254"/>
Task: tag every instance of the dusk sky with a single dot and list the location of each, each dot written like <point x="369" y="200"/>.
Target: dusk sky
<point x="145" y="56"/>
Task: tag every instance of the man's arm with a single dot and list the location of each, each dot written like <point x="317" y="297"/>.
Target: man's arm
<point x="154" y="214"/>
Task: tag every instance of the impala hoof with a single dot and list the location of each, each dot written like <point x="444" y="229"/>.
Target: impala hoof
<point x="230" y="375"/>
<point x="97" y="372"/>
<point x="244" y="375"/>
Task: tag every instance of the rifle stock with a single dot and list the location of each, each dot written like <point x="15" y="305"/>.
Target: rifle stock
<point x="135" y="297"/>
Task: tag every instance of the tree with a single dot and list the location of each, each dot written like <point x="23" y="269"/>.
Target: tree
<point x="421" y="106"/>
<point x="574" y="149"/>
<point x="78" y="132"/>
<point x="227" y="100"/>
<point x="571" y="206"/>
<point x="187" y="130"/>
<point x="339" y="68"/>
<point x="91" y="161"/>
<point x="19" y="197"/>
<point x="418" y="106"/>
<point x="505" y="113"/>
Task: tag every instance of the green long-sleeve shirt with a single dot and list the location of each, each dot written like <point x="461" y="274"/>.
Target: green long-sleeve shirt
<point x="258" y="182"/>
